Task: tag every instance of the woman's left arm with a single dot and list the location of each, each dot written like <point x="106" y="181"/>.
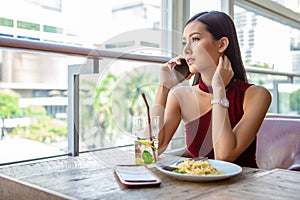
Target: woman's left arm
<point x="229" y="142"/>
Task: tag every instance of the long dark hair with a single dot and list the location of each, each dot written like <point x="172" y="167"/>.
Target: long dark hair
<point x="219" y="24"/>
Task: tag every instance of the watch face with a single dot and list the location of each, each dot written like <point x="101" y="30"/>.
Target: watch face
<point x="222" y="101"/>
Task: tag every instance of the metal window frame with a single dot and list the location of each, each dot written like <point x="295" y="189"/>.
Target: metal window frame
<point x="272" y="10"/>
<point x="92" y="66"/>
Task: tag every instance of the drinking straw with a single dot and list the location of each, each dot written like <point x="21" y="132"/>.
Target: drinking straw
<point x="149" y="122"/>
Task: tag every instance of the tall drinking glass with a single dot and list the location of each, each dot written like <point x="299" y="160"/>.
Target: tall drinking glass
<point x="146" y="142"/>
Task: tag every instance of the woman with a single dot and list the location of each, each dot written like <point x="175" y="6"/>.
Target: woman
<point x="221" y="111"/>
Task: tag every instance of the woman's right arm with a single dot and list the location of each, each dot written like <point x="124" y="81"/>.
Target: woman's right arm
<point x="167" y="106"/>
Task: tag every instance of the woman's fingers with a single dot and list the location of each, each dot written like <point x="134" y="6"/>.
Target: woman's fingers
<point x="224" y="65"/>
<point x="177" y="60"/>
<point x="224" y="72"/>
<point x="167" y="76"/>
<point x="228" y="72"/>
<point x="227" y="64"/>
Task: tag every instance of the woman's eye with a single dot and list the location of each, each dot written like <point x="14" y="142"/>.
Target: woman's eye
<point x="195" y="39"/>
<point x="183" y="43"/>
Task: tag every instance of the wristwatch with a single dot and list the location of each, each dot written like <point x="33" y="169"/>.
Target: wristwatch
<point x="222" y="101"/>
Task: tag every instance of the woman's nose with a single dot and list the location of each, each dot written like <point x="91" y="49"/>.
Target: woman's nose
<point x="187" y="49"/>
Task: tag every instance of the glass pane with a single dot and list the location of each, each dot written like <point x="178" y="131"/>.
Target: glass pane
<point x="90" y="23"/>
<point x="294" y="102"/>
<point x="289" y="98"/>
<point x="288" y="93"/>
<point x="268" y="44"/>
<point x="139" y="41"/>
<point x="197" y="6"/>
<point x="33" y="105"/>
<point x="108" y="101"/>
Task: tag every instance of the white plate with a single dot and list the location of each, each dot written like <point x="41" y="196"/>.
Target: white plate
<point x="229" y="169"/>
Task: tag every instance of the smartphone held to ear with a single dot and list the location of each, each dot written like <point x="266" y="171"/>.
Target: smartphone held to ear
<point x="182" y="71"/>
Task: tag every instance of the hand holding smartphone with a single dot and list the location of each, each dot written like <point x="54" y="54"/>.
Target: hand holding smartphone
<point x="182" y="71"/>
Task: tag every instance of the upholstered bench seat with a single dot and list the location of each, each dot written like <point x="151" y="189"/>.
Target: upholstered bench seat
<point x="278" y="144"/>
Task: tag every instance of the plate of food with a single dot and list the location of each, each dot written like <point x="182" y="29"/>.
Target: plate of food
<point x="203" y="170"/>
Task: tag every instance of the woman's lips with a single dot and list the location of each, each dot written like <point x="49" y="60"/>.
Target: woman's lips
<point x="190" y="60"/>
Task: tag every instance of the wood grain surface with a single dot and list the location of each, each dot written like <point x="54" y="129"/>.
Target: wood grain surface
<point x="91" y="176"/>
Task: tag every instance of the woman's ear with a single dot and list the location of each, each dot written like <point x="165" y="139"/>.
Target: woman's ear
<point x="223" y="44"/>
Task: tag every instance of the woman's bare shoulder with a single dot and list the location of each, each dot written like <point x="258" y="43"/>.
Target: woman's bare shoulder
<point x="184" y="90"/>
<point x="258" y="90"/>
<point x="258" y="93"/>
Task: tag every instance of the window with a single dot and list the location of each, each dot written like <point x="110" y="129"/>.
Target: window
<point x="6" y="22"/>
<point x="109" y="99"/>
<point x="28" y="25"/>
<point x="270" y="45"/>
<point x="276" y="50"/>
<point x="52" y="29"/>
<point x="197" y="6"/>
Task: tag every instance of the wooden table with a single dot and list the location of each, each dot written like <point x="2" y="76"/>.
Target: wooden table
<point x="91" y="176"/>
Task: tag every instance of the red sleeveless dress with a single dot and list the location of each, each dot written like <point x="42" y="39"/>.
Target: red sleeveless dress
<point x="198" y="132"/>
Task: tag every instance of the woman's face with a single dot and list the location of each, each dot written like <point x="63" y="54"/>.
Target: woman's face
<point x="200" y="48"/>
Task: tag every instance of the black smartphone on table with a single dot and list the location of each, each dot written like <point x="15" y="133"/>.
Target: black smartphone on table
<point x="182" y="71"/>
